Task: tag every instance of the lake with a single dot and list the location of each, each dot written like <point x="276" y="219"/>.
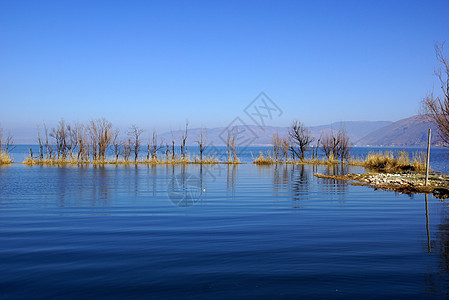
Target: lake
<point x="439" y="158"/>
<point x="225" y="231"/>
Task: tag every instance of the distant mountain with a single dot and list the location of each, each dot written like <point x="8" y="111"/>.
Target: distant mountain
<point x="255" y="135"/>
<point x="355" y="129"/>
<point x="248" y="135"/>
<point x="409" y="132"/>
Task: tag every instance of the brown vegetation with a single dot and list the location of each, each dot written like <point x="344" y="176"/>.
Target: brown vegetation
<point x="6" y="145"/>
<point x="387" y="162"/>
<point x="231" y="147"/>
<point x="300" y="139"/>
<point x="90" y="144"/>
<point x="134" y="141"/>
<point x="183" y="138"/>
<point x="437" y="108"/>
<point x="202" y="141"/>
<point x="336" y="146"/>
<point x="153" y="147"/>
<point x="267" y="159"/>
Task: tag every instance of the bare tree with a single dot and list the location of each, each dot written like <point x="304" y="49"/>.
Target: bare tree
<point x="60" y="135"/>
<point x="183" y="138"/>
<point x="73" y="140"/>
<point x="153" y="147"/>
<point x="93" y="136"/>
<point x="134" y="133"/>
<point x="126" y="146"/>
<point x="344" y="145"/>
<point x="41" y="143"/>
<point x="329" y="143"/>
<point x="277" y="145"/>
<point x="172" y="146"/>
<point x="105" y="137"/>
<point x="116" y="143"/>
<point x="69" y="145"/>
<point x="231" y="145"/>
<point x="436" y="109"/>
<point x="202" y="141"/>
<point x="336" y="145"/>
<point x="315" y="149"/>
<point x="167" y="151"/>
<point x="6" y="144"/>
<point x="299" y="136"/>
<point x="80" y="140"/>
<point x="285" y="146"/>
<point x="48" y="147"/>
<point x="100" y="132"/>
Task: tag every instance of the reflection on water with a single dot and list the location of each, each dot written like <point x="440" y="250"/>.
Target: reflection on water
<point x="258" y="231"/>
<point x="334" y="187"/>
<point x="438" y="280"/>
<point x="281" y="176"/>
<point x="95" y="185"/>
<point x="185" y="189"/>
<point x="429" y="247"/>
<point x="80" y="186"/>
<point x="231" y="177"/>
<point x="300" y="183"/>
<point x="442" y="242"/>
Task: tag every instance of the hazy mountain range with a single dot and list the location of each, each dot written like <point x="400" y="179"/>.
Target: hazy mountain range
<point x="409" y="132"/>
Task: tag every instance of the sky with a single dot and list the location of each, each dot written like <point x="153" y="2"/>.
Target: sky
<point x="157" y="63"/>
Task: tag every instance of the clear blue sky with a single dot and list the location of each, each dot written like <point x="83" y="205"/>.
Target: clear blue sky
<point x="155" y="64"/>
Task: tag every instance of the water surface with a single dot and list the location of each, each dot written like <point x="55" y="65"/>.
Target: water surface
<point x="215" y="232"/>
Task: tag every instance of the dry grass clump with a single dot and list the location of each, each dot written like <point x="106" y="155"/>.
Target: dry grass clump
<point x="232" y="147"/>
<point x="265" y="159"/>
<point x="207" y="160"/>
<point x="31" y="161"/>
<point x="234" y="161"/>
<point x="355" y="161"/>
<point x="380" y="161"/>
<point x="326" y="160"/>
<point x="178" y="160"/>
<point x="387" y="162"/>
<point x="331" y="159"/>
<point x="6" y="145"/>
<point x="419" y="161"/>
<point x="270" y="159"/>
<point x="4" y="158"/>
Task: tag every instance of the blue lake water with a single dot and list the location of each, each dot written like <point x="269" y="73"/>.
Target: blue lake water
<point x="439" y="157"/>
<point x="215" y="232"/>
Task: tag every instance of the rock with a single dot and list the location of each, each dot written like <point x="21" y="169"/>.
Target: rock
<point x="441" y="193"/>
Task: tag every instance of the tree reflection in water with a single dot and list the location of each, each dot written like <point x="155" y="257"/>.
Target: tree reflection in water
<point x="231" y="177"/>
<point x="332" y="187"/>
<point x="438" y="244"/>
<point x="90" y="187"/>
<point x="300" y="185"/>
<point x="442" y="247"/>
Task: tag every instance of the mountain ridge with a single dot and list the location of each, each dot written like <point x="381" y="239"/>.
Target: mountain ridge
<point x="258" y="136"/>
<point x="408" y="132"/>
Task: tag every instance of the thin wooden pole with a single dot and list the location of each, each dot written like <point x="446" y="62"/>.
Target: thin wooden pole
<point x="428" y="157"/>
<point x="429" y="248"/>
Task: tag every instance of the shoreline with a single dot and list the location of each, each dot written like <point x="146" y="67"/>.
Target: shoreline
<point x="404" y="183"/>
